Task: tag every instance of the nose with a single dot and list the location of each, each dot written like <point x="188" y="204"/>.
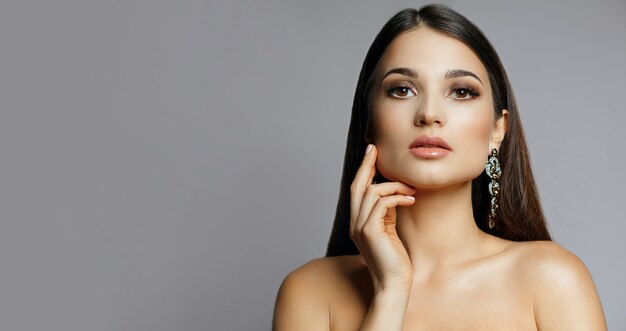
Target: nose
<point x="429" y="112"/>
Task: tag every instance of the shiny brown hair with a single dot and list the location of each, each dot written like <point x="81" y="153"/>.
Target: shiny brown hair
<point x="519" y="216"/>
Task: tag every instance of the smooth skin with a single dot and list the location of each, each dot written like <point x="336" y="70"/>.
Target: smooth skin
<point x="424" y="263"/>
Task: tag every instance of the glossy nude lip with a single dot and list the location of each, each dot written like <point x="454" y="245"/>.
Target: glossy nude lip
<point x="429" y="147"/>
<point x="430" y="152"/>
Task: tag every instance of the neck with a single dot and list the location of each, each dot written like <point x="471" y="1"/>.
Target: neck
<point x="438" y="229"/>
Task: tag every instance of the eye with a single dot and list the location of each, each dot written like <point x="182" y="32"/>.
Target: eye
<point x="403" y="91"/>
<point x="465" y="93"/>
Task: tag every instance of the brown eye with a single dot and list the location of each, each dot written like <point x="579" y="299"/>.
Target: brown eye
<point x="400" y="91"/>
<point x="464" y="93"/>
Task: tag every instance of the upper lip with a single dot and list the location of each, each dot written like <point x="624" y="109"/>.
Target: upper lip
<point x="431" y="141"/>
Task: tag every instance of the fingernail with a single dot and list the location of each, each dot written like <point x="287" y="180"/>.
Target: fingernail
<point x="410" y="197"/>
<point x="369" y="149"/>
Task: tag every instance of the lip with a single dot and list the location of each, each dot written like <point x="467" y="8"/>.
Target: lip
<point x="429" y="147"/>
<point x="430" y="142"/>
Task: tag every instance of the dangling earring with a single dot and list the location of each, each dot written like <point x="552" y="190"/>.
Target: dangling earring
<point x="494" y="172"/>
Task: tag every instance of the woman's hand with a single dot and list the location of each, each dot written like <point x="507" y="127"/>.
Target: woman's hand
<point x="373" y="226"/>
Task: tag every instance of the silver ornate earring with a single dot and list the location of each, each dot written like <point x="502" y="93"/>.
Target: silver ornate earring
<point x="494" y="172"/>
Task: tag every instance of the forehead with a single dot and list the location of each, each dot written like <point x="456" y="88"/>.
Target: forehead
<point x="431" y="53"/>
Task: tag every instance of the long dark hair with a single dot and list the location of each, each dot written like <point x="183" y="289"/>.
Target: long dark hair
<point x="519" y="216"/>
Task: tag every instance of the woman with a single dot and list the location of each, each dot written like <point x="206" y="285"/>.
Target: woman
<point x="438" y="225"/>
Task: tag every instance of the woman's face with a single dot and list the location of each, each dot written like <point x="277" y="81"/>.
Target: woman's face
<point x="427" y="100"/>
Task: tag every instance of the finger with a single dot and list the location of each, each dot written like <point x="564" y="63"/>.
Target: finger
<point x="361" y="180"/>
<point x="374" y="224"/>
<point x="374" y="193"/>
<point x="366" y="171"/>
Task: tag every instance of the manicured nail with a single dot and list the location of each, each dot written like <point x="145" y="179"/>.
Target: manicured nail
<point x="369" y="149"/>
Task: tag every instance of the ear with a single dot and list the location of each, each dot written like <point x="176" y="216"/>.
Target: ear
<point x="500" y="128"/>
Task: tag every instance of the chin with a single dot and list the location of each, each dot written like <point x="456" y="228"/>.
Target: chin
<point x="432" y="185"/>
<point x="431" y="176"/>
<point x="434" y="181"/>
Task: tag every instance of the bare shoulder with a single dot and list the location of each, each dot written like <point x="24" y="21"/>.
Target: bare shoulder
<point x="546" y="263"/>
<point x="547" y="260"/>
<point x="542" y="252"/>
<point x="564" y="294"/>
<point x="323" y="272"/>
<point x="305" y="294"/>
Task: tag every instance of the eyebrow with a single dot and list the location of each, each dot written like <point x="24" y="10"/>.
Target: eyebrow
<point x="451" y="73"/>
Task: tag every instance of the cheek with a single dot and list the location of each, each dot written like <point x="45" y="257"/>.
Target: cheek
<point x="394" y="122"/>
<point x="394" y="129"/>
<point x="390" y="148"/>
<point x="474" y="136"/>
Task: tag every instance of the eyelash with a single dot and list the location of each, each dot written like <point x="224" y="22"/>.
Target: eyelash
<point x="473" y="92"/>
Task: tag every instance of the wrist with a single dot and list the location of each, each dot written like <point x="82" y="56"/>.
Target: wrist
<point x="393" y="289"/>
<point x="392" y="296"/>
<point x="387" y="310"/>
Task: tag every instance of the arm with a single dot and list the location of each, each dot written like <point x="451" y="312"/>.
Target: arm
<point x="372" y="228"/>
<point x="565" y="297"/>
<point x="302" y="302"/>
<point x="373" y="231"/>
<point x="299" y="303"/>
<point x="387" y="311"/>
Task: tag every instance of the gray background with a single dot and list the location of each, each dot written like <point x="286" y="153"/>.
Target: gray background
<point x="164" y="164"/>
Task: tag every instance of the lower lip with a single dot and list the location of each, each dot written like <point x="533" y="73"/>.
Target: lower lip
<point x="430" y="152"/>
